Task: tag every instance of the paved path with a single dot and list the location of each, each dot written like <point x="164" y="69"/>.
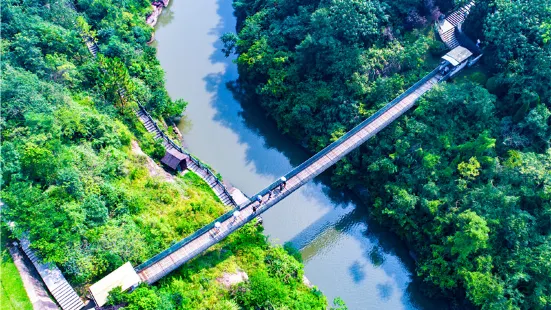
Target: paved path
<point x="31" y="281"/>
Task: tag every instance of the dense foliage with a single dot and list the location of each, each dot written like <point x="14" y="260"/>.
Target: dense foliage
<point x="466" y="177"/>
<point x="275" y="280"/>
<point x="68" y="176"/>
<point x="75" y="182"/>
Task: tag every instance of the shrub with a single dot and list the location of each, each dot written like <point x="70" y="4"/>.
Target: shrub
<point x="117" y="297"/>
<point x="478" y="77"/>
<point x="294" y="252"/>
<point x="282" y="266"/>
<point x="260" y="291"/>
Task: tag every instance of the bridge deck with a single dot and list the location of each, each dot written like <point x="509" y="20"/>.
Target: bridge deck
<point x="183" y="251"/>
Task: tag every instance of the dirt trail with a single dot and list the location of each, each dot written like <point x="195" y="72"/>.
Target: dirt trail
<point x="152" y="167"/>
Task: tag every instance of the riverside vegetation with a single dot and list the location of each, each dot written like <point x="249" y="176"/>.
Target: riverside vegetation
<point x="73" y="182"/>
<point x="465" y="178"/>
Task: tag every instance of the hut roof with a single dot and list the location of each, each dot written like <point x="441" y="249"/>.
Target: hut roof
<point x="125" y="276"/>
<point x="173" y="158"/>
<point x="457" y="55"/>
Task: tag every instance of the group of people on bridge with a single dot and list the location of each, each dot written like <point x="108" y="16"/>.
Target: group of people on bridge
<point x="237" y="214"/>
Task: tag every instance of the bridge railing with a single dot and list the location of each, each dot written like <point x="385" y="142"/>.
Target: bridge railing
<point x="289" y="175"/>
<point x="181" y="150"/>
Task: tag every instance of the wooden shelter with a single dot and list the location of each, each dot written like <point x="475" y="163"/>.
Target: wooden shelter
<point x="174" y="160"/>
<point x="124" y="277"/>
<point x="457" y="56"/>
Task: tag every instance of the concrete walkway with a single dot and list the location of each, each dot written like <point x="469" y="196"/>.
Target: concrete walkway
<point x="31" y="281"/>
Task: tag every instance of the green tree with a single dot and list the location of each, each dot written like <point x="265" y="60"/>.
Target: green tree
<point x="116" y="83"/>
<point x="469" y="170"/>
<point x="260" y="292"/>
<point x="486" y="291"/>
<point x="471" y="235"/>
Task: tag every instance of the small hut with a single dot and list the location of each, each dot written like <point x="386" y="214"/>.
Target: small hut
<point x="124" y="277"/>
<point x="174" y="160"/>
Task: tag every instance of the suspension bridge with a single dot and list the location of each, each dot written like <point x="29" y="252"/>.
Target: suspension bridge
<point x="170" y="259"/>
<point x="190" y="247"/>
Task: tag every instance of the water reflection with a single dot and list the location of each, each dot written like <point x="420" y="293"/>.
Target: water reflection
<point x="385" y="290"/>
<point x="357" y="271"/>
<point x="345" y="253"/>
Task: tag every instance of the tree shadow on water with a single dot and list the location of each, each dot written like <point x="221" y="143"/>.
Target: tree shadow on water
<point x="225" y="24"/>
<point x="357" y="272"/>
<point x="385" y="291"/>
<point x="166" y="17"/>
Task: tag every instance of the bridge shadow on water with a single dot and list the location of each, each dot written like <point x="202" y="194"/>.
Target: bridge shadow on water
<point x="238" y="112"/>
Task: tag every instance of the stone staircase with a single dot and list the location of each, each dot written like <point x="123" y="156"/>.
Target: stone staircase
<point x="192" y="164"/>
<point x="92" y="47"/>
<point x="214" y="183"/>
<point x="152" y="127"/>
<point x="460" y="15"/>
<point x="446" y="28"/>
<point x="449" y="39"/>
<point x="61" y="290"/>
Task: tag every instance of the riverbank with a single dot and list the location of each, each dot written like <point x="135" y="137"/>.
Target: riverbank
<point x="157" y="7"/>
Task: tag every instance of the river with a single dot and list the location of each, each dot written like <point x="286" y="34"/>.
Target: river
<point x="345" y="253"/>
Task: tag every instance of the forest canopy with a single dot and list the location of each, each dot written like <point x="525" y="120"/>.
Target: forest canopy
<point x="465" y="177"/>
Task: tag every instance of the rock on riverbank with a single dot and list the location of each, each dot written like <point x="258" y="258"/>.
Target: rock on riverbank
<point x="158" y="6"/>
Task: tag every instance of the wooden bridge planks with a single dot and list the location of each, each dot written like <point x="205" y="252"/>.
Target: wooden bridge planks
<point x="188" y="251"/>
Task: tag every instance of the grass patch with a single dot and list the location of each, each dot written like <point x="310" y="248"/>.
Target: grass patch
<point x="12" y="292"/>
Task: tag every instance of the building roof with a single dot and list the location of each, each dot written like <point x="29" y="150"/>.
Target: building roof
<point x="173" y="158"/>
<point x="457" y="55"/>
<point x="125" y="276"/>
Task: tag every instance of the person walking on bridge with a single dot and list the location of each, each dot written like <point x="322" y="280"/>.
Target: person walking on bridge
<point x="217" y="226"/>
<point x="236" y="215"/>
<point x="283" y="183"/>
<point x="259" y="199"/>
